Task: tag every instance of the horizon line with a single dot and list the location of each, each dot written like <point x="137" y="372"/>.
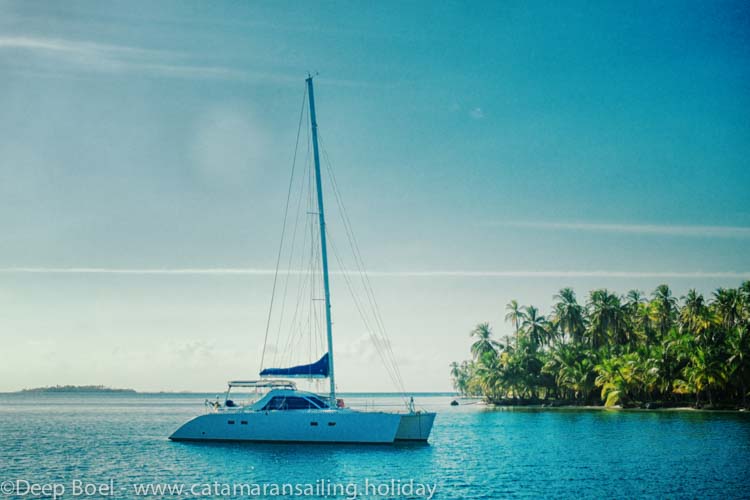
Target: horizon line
<point x="654" y="229"/>
<point x="221" y="271"/>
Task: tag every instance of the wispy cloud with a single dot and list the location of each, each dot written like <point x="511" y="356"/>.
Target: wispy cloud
<point x="69" y="46"/>
<point x="112" y="59"/>
<point x="218" y="271"/>
<point x="655" y="229"/>
<point x="476" y="113"/>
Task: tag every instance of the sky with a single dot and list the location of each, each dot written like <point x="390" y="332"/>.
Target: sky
<point x="486" y="151"/>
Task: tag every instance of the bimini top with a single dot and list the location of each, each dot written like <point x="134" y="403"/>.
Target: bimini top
<point x="264" y="384"/>
<point x="319" y="369"/>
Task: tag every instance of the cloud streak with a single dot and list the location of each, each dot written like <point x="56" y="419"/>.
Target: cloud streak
<point x="653" y="229"/>
<point x="107" y="58"/>
<point x="114" y="59"/>
<point x="223" y="271"/>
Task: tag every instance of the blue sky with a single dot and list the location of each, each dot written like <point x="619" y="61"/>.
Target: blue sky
<point x="486" y="151"/>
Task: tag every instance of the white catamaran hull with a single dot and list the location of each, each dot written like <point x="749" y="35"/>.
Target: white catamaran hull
<point x="415" y="426"/>
<point x="309" y="426"/>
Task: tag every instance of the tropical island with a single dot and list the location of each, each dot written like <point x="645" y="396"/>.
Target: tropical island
<point x="78" y="389"/>
<point x="629" y="351"/>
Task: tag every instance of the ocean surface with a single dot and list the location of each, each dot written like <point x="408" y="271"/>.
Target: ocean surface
<point x="118" y="443"/>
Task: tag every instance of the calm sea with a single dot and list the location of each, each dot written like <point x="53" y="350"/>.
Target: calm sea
<point x="474" y="452"/>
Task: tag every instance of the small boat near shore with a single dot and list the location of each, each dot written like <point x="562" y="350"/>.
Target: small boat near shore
<point x="277" y="411"/>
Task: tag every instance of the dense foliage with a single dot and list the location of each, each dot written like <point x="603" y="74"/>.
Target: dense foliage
<point x="628" y="350"/>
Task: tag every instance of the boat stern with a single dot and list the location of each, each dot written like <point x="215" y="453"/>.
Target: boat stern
<point x="415" y="426"/>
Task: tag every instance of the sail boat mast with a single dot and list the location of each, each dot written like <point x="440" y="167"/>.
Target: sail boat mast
<point x="323" y="246"/>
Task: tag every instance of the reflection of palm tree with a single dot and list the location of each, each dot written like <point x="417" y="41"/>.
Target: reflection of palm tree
<point x="514" y="316"/>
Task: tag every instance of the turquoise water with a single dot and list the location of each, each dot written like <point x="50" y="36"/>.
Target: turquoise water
<point x="473" y="453"/>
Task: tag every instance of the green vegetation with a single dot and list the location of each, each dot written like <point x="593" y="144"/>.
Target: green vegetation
<point x="617" y="350"/>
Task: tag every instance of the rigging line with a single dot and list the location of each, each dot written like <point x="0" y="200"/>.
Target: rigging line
<point x="291" y="253"/>
<point x="363" y="316"/>
<point x="361" y="268"/>
<point x="303" y="279"/>
<point x="380" y="343"/>
<point x="297" y="324"/>
<point x="360" y="264"/>
<point x="312" y="310"/>
<point x="283" y="229"/>
<point x="301" y="321"/>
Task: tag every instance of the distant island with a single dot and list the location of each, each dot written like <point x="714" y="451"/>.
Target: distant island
<point x="78" y="389"/>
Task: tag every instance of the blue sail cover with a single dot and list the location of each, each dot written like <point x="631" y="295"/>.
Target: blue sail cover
<point x="319" y="369"/>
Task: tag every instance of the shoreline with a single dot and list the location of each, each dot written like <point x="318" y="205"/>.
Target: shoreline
<point x="494" y="406"/>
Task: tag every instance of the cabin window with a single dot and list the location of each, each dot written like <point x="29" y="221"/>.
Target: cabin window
<point x="318" y="401"/>
<point x="230" y="422"/>
<point x="243" y="422"/>
<point x="314" y="424"/>
<point x="299" y="404"/>
<point x="331" y="424"/>
<point x="276" y="403"/>
<point x="289" y="403"/>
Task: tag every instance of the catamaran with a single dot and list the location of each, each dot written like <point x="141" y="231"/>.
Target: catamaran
<point x="276" y="410"/>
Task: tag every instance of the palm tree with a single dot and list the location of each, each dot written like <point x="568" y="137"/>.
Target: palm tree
<point x="606" y="318"/>
<point x="568" y="315"/>
<point x="695" y="316"/>
<point x="728" y="303"/>
<point x="673" y="354"/>
<point x="739" y="360"/>
<point x="664" y="306"/>
<point x="642" y="324"/>
<point x="704" y="372"/>
<point x="484" y="343"/>
<point x="633" y="305"/>
<point x="610" y="380"/>
<point x="490" y="375"/>
<point x="573" y="370"/>
<point x="535" y="326"/>
<point x="456" y="376"/>
<point x="515" y="316"/>
<point x="633" y="299"/>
